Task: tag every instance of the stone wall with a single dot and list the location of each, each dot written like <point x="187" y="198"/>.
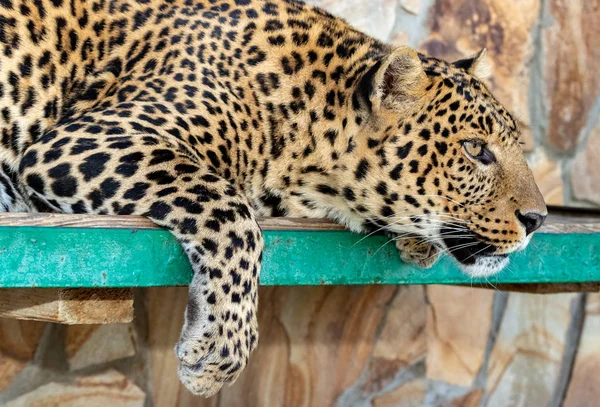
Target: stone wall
<point x="544" y="56"/>
<point x="320" y="346"/>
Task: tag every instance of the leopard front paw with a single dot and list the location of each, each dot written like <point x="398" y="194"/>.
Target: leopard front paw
<point x="213" y="356"/>
<point x="200" y="366"/>
<point x="414" y="250"/>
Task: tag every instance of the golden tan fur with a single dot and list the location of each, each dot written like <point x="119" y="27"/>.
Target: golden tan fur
<point x="202" y="115"/>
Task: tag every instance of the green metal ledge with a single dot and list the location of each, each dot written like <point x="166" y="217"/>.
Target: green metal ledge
<point x="51" y="250"/>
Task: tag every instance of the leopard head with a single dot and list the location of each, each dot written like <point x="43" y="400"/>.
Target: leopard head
<point x="442" y="160"/>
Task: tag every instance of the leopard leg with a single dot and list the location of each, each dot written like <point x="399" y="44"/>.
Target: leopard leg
<point x="415" y="250"/>
<point x="145" y="175"/>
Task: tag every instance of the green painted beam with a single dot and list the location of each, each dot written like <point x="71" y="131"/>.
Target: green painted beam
<point x="41" y="256"/>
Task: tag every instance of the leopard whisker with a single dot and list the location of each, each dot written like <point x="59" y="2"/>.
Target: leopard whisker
<point x="430" y="215"/>
<point x="441" y="239"/>
<point x="458" y="247"/>
<point x="449" y="251"/>
<point x="397" y="223"/>
<point x="479" y="251"/>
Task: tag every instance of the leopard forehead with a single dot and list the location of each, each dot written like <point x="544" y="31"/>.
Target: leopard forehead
<point x="460" y="95"/>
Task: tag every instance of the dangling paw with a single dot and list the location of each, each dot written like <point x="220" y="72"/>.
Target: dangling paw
<point x="206" y="364"/>
<point x="215" y="351"/>
<point x="204" y="369"/>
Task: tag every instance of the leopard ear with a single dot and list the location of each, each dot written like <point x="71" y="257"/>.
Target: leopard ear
<point x="477" y="64"/>
<point x="398" y="80"/>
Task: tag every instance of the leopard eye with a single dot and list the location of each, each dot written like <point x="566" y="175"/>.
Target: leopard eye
<point x="473" y="149"/>
<point x="477" y="150"/>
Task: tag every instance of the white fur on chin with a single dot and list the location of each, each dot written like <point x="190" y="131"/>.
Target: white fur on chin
<point x="485" y="266"/>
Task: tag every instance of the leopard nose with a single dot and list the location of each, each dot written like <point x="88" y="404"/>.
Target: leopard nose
<point x="531" y="220"/>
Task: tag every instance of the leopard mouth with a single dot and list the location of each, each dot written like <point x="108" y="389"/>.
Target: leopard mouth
<point x="474" y="256"/>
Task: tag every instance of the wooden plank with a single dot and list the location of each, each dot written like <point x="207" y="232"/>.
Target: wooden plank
<point x="47" y="257"/>
<point x="68" y="306"/>
<point x="559" y="221"/>
<point x="542" y="288"/>
<point x="52" y="250"/>
<point x="139" y="222"/>
<point x="549" y="288"/>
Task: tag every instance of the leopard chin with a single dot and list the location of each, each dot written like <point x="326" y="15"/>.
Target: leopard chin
<point x="485" y="266"/>
<point x="474" y="257"/>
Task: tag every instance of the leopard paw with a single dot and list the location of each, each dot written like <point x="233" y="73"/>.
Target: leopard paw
<point x="199" y="367"/>
<point x="213" y="353"/>
<point x="414" y="250"/>
<point x="207" y="364"/>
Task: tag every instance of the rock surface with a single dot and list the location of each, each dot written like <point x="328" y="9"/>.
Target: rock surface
<point x="19" y="341"/>
<point x="525" y="362"/>
<point x="585" y="172"/>
<point x="107" y="389"/>
<point x="89" y="345"/>
<point x="164" y="326"/>
<point x="461" y="28"/>
<point x="374" y="17"/>
<point x="584" y="380"/>
<point x="548" y="176"/>
<point x="458" y="326"/>
<point x="572" y="57"/>
<point x="411" y="394"/>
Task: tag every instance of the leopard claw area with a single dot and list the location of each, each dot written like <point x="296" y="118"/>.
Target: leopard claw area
<point x="203" y="370"/>
<point x="198" y="381"/>
<point x="423" y="255"/>
<point x="197" y="367"/>
<point x="192" y="352"/>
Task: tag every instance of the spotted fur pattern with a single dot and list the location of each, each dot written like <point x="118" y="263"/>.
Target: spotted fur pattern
<point x="203" y="114"/>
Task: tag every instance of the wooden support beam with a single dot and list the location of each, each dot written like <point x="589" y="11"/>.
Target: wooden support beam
<point x="68" y="305"/>
<point x="88" y="251"/>
<point x="544" y="288"/>
<point x="560" y="221"/>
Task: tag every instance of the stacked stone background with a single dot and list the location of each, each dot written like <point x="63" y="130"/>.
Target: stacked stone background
<point x="385" y="345"/>
<point x="371" y="346"/>
<point x="544" y="54"/>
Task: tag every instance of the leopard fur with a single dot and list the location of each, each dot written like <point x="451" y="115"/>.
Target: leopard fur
<point x="204" y="114"/>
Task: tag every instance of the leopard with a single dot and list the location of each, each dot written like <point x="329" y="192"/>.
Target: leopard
<point x="205" y="115"/>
